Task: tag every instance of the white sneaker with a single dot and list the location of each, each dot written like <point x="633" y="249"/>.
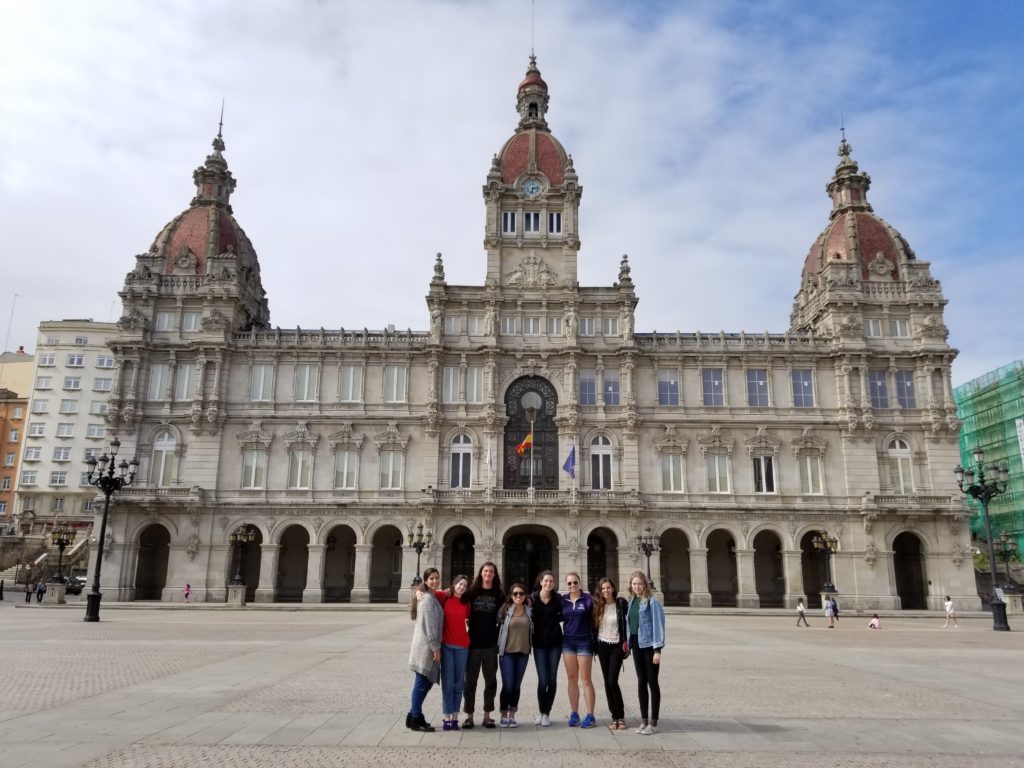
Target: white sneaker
<point x="646" y="730"/>
<point x="651" y="730"/>
<point x="545" y="721"/>
<point x="640" y="729"/>
<point x="538" y="720"/>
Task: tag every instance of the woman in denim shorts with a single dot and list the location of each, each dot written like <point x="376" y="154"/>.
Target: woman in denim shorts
<point x="578" y="649"/>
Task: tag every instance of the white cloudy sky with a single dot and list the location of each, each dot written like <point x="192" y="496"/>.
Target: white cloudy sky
<point x="361" y="132"/>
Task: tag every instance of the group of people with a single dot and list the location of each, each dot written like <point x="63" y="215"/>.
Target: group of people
<point x="477" y="628"/>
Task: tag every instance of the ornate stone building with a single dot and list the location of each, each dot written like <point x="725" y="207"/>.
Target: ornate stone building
<point x="734" y="449"/>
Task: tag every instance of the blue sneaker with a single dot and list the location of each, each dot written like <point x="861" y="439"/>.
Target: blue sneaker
<point x="574" y="719"/>
<point x="588" y="722"/>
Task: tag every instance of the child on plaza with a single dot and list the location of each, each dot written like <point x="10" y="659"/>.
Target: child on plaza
<point x="950" y="613"/>
<point x="801" y="612"/>
<point x="188" y="593"/>
<point x="875" y="623"/>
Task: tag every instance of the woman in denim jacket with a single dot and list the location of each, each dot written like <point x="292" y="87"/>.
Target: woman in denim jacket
<point x="645" y="620"/>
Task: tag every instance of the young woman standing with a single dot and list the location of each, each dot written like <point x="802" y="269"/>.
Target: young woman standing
<point x="645" y="622"/>
<point x="612" y="646"/>
<point x="578" y="649"/>
<point x="425" y="652"/>
<point x="513" y="651"/>
<point x="547" y="644"/>
<point x="454" y="650"/>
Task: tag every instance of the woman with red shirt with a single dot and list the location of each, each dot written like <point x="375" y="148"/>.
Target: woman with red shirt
<point x="454" y="650"/>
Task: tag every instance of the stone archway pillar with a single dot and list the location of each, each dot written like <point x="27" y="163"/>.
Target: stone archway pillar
<point x="314" y="591"/>
<point x="568" y="560"/>
<point x="793" y="572"/>
<point x="266" y="590"/>
<point x="700" y="595"/>
<point x="746" y="583"/>
<point x="361" y="574"/>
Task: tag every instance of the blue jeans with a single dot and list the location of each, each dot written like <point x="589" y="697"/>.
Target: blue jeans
<point x="421" y="686"/>
<point x="546" y="661"/>
<point x="513" y="667"/>
<point x="453" y="676"/>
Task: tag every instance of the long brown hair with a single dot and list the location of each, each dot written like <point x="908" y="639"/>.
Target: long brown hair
<point x="599" y="601"/>
<point x="421" y="587"/>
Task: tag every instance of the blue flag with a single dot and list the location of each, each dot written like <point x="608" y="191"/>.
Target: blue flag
<point x="570" y="463"/>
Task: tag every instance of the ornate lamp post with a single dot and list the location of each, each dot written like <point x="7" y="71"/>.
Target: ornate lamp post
<point x="62" y="537"/>
<point x="108" y="481"/>
<point x="826" y="546"/>
<point x="1007" y="549"/>
<point x="240" y="539"/>
<point x="984" y="490"/>
<point x="419" y="541"/>
<point x="647" y="544"/>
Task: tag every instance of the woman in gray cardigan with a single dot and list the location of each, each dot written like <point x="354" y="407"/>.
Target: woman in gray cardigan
<point x="425" y="653"/>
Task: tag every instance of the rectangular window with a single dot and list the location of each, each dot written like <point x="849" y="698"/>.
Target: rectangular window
<point x="531" y="221"/>
<point x="899" y="327"/>
<point x="305" y="383"/>
<point x="83" y="479"/>
<point x="899" y="474"/>
<point x="48" y="360"/>
<point x="105" y="361"/>
<point x="300" y="465"/>
<point x="450" y="384"/>
<point x="96" y="430"/>
<point x="40" y="406"/>
<point x="588" y="387"/>
<point x="508" y="222"/>
<point x="586" y="326"/>
<point x="58" y="478"/>
<point x="531" y="326"/>
<point x="600" y="471"/>
<point x="69" y="406"/>
<point x="452" y="326"/>
<point x="190" y="321"/>
<point x="390" y="470"/>
<point x="476" y="326"/>
<point x="803" y="388"/>
<point x="33" y="453"/>
<point x="12" y="436"/>
<point x="905" y="389"/>
<point x="672" y="472"/>
<point x="873" y="327"/>
<point x="102" y="384"/>
<point x="462" y="465"/>
<point x="165" y="321"/>
<point x="53" y="340"/>
<point x="81" y="341"/>
<point x="809" y="471"/>
<point x="29" y="477"/>
<point x="508" y="325"/>
<point x="394" y="383"/>
<point x="261" y="382"/>
<point x="76" y="361"/>
<point x="554" y="223"/>
<point x="9" y="460"/>
<point x="158" y="373"/>
<point x="17" y="412"/>
<point x="717" y="466"/>
<point x="668" y="386"/>
<point x="610" y="326"/>
<point x="90" y="505"/>
<point x="712" y="386"/>
<point x="5" y="485"/>
<point x="65" y="429"/>
<point x="36" y="429"/>
<point x="554" y="326"/>
<point x="351" y="383"/>
<point x="879" y="390"/>
<point x="44" y="382"/>
<point x="57" y="504"/>
<point x="62" y="453"/>
<point x="764" y="474"/>
<point x="98" y="407"/>
<point x="254" y="468"/>
<point x="72" y="383"/>
<point x="611" y="386"/>
<point x="183" y="383"/>
<point x="757" y="388"/>
<point x="345" y="463"/>
<point x="91" y="453"/>
<point x="474" y="384"/>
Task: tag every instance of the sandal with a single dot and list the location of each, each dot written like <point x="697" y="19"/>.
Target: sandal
<point x="467" y="724"/>
<point x="487" y="722"/>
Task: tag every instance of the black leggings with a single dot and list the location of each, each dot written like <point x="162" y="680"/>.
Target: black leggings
<point x="610" y="656"/>
<point x="646" y="677"/>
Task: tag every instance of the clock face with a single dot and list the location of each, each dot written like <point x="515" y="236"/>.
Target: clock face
<point x="531" y="187"/>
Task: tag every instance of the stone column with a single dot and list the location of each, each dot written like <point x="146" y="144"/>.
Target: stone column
<point x="314" y="591"/>
<point x="700" y="596"/>
<point x="409" y="572"/>
<point x="361" y="574"/>
<point x="654" y="574"/>
<point x="746" y="582"/>
<point x="267" y="588"/>
<point x="793" y="570"/>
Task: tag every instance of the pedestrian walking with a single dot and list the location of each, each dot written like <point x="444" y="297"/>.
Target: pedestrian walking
<point x="28" y="591"/>
<point x="1" y="589"/>
<point x="645" y="620"/>
<point x="454" y="650"/>
<point x="513" y="651"/>
<point x="425" y="651"/>
<point x="801" y="612"/>
<point x="950" y="613"/>
<point x="188" y="593"/>
<point x="485" y="599"/>
<point x="612" y="646"/>
<point x="547" y="644"/>
<point x="578" y="650"/>
<point x="830" y="611"/>
<point x="40" y="591"/>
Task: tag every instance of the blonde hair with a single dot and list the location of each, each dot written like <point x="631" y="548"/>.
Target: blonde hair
<point x="647" y="585"/>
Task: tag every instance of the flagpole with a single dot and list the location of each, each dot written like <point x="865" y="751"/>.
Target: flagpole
<point x="531" y="454"/>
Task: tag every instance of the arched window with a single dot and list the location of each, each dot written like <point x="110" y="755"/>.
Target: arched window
<point x="164" y="463"/>
<point x="601" y="463"/>
<point x="462" y="461"/>
<point x="899" y="466"/>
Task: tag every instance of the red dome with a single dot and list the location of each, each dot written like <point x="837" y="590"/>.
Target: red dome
<point x="197" y="230"/>
<point x="532" y="78"/>
<point x="857" y="236"/>
<point x="549" y="154"/>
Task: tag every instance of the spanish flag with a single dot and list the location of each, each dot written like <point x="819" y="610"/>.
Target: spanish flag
<point x="527" y="442"/>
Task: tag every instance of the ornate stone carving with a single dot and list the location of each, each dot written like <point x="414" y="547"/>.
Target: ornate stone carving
<point x="215" y="321"/>
<point x="390" y="438"/>
<point x="762" y="442"/>
<point x="870" y="554"/>
<point x="880" y="268"/>
<point x="715" y="442"/>
<point x="345" y="438"/>
<point x="671" y="440"/>
<point x="532" y="272"/>
<point x="255" y="436"/>
<point x="301" y="438"/>
<point x="193" y="546"/>
<point x="957" y="555"/>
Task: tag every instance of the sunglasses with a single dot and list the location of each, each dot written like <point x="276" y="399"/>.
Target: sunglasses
<point x="572" y="583"/>
<point x="518" y="594"/>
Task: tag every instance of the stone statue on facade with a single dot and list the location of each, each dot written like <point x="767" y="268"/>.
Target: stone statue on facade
<point x="571" y="323"/>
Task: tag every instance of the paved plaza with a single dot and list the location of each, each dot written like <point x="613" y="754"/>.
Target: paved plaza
<point x="206" y="686"/>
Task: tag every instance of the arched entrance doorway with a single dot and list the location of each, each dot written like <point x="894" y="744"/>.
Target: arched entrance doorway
<point x="528" y="551"/>
<point x="675" y="567"/>
<point x="459" y="554"/>
<point x="908" y="568"/>
<point x="339" y="564"/>
<point x="538" y="466"/>
<point x="722" y="580"/>
<point x="812" y="565"/>
<point x="292" y="561"/>
<point x="769" y="577"/>
<point x="386" y="565"/>
<point x="602" y="558"/>
<point x="151" y="569"/>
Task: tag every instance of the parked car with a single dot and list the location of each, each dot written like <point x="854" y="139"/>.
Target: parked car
<point x="75" y="585"/>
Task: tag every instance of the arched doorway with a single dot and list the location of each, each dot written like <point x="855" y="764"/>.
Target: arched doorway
<point x="386" y="565"/>
<point x="339" y="564"/>
<point x="675" y="567"/>
<point x="151" y="570"/>
<point x="292" y="561"/>
<point x="528" y="551"/>
<point x="769" y="577"/>
<point x="602" y="558"/>
<point x="908" y="568"/>
<point x="538" y="466"/>
<point x="460" y="554"/>
<point x="722" y="569"/>
<point x="812" y="565"/>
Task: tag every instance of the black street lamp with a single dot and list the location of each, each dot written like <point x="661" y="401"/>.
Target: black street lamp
<point x="419" y="541"/>
<point x="62" y="536"/>
<point x="240" y="539"/>
<point x="1007" y="549"/>
<point x="984" y="490"/>
<point x="647" y="544"/>
<point x="826" y="546"/>
<point x="108" y="481"/>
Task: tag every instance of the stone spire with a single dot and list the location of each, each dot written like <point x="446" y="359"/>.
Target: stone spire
<point x="532" y="98"/>
<point x="849" y="186"/>
<point x="214" y="182"/>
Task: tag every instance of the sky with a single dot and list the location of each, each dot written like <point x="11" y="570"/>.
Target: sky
<point x="361" y="133"/>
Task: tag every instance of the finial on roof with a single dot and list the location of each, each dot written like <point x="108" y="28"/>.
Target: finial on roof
<point x="218" y="142"/>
